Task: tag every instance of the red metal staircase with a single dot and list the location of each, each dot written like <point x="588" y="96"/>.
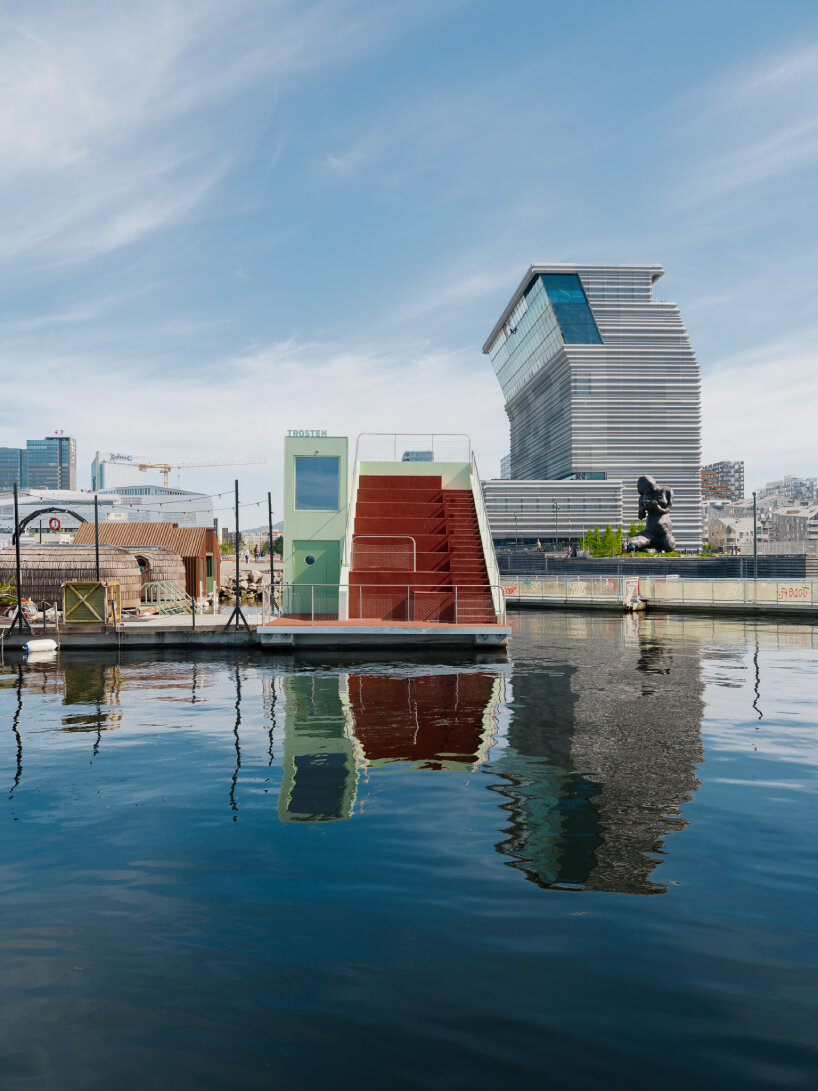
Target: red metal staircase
<point x="441" y="577"/>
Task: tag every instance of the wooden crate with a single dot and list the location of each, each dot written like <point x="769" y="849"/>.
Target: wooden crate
<point x="91" y="602"/>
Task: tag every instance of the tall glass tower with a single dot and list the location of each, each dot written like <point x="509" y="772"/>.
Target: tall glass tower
<point x="601" y="382"/>
<point x="51" y="463"/>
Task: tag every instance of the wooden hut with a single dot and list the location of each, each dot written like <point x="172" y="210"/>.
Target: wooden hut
<point x="46" y="568"/>
<point x="157" y="563"/>
<point x="197" y="546"/>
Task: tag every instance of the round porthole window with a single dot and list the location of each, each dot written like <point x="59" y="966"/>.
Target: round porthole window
<point x="309" y="559"/>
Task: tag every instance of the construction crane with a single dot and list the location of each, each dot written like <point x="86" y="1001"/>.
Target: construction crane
<point x="166" y="467"/>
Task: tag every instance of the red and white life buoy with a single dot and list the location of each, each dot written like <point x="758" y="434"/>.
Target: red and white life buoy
<point x="54" y="523"/>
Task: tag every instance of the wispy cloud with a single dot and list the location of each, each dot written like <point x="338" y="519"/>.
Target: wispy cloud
<point x="241" y="405"/>
<point x="758" y="123"/>
<point x="760" y="405"/>
<point x="119" y="120"/>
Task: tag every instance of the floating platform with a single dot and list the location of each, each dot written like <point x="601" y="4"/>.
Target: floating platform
<point x="278" y="635"/>
<point x="357" y="633"/>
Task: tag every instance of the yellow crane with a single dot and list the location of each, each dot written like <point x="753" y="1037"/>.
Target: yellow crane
<point x="166" y="467"/>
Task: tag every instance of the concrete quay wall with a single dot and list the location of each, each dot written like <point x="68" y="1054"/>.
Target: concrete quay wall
<point x="519" y="563"/>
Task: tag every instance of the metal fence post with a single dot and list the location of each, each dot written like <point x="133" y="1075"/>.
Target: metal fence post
<point x="312" y="604"/>
<point x="455" y="604"/>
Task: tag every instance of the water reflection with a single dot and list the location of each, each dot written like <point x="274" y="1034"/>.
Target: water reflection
<point x="590" y="737"/>
<point x="341" y="726"/>
<point x="602" y="753"/>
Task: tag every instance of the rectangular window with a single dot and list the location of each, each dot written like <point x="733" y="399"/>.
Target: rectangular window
<point x="317" y="480"/>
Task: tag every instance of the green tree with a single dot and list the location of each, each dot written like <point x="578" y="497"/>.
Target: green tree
<point x="609" y="542"/>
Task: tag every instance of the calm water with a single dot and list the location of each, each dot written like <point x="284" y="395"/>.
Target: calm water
<point x="593" y="865"/>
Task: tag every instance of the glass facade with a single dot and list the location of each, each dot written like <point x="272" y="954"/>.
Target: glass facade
<point x="317" y="481"/>
<point x="571" y="308"/>
<point x="600" y="379"/>
<point x="551" y="313"/>
<point x="51" y="463"/>
<point x="12" y="467"/>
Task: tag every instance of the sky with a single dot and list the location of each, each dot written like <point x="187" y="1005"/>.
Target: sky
<point x="221" y="221"/>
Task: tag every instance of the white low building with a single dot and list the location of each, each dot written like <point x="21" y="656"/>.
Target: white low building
<point x="731" y="535"/>
<point x="551" y="513"/>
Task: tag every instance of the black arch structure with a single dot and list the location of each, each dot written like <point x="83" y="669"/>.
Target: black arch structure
<point x="44" y="511"/>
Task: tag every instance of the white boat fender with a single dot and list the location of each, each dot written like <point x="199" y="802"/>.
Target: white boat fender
<point x="40" y="646"/>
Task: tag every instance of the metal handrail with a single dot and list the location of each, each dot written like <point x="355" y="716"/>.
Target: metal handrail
<point x="305" y="594"/>
<point x="395" y="436"/>
<point x="392" y="538"/>
<point x="492" y="568"/>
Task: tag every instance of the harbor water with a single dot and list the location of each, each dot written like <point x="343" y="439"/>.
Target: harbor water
<point x="591" y="864"/>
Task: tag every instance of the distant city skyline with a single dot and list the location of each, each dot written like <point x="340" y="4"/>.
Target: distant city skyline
<point x="222" y="223"/>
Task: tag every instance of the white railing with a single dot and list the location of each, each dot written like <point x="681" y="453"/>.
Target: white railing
<point x="392" y="446"/>
<point x="729" y="594"/>
<point x="485" y="533"/>
<point x="353" y="500"/>
<point x="622" y="590"/>
<point x="732" y="593"/>
<point x="382" y="604"/>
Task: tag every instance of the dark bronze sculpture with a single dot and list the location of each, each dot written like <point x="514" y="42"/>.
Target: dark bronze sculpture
<point x="654" y="508"/>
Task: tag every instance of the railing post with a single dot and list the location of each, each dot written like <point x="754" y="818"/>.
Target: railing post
<point x="312" y="604"/>
<point x="408" y="606"/>
<point x="360" y="605"/>
<point x="455" y="604"/>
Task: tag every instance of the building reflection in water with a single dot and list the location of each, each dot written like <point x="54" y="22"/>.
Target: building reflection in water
<point x="598" y="753"/>
<point x="339" y="727"/>
<point x="602" y="753"/>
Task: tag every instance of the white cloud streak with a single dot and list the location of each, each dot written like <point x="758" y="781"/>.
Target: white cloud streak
<point x="245" y="410"/>
<point x="758" y="124"/>
<point x="118" y="120"/>
<point x="760" y="405"/>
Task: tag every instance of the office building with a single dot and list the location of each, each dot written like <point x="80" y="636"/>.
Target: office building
<point x="723" y="480"/>
<point x="110" y="470"/>
<point x="505" y="466"/>
<point x="553" y="513"/>
<point x="49" y="463"/>
<point x="601" y="383"/>
<point x="12" y="467"/>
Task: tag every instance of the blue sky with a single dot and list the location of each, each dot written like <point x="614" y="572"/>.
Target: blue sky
<point x="221" y="221"/>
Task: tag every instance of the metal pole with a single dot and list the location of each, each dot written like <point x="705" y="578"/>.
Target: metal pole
<point x="41" y="532"/>
<point x="19" y="620"/>
<point x="237" y="550"/>
<point x="556" y="542"/>
<point x="96" y="530"/>
<point x="755" y="540"/>
<point x="237" y="612"/>
<point x="270" y="532"/>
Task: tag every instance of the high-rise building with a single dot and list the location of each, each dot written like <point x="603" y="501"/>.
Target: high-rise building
<point x="111" y="470"/>
<point x="505" y="466"/>
<point x="12" y="467"/>
<point x="601" y="382"/>
<point x="49" y="463"/>
<point x="723" y="480"/>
